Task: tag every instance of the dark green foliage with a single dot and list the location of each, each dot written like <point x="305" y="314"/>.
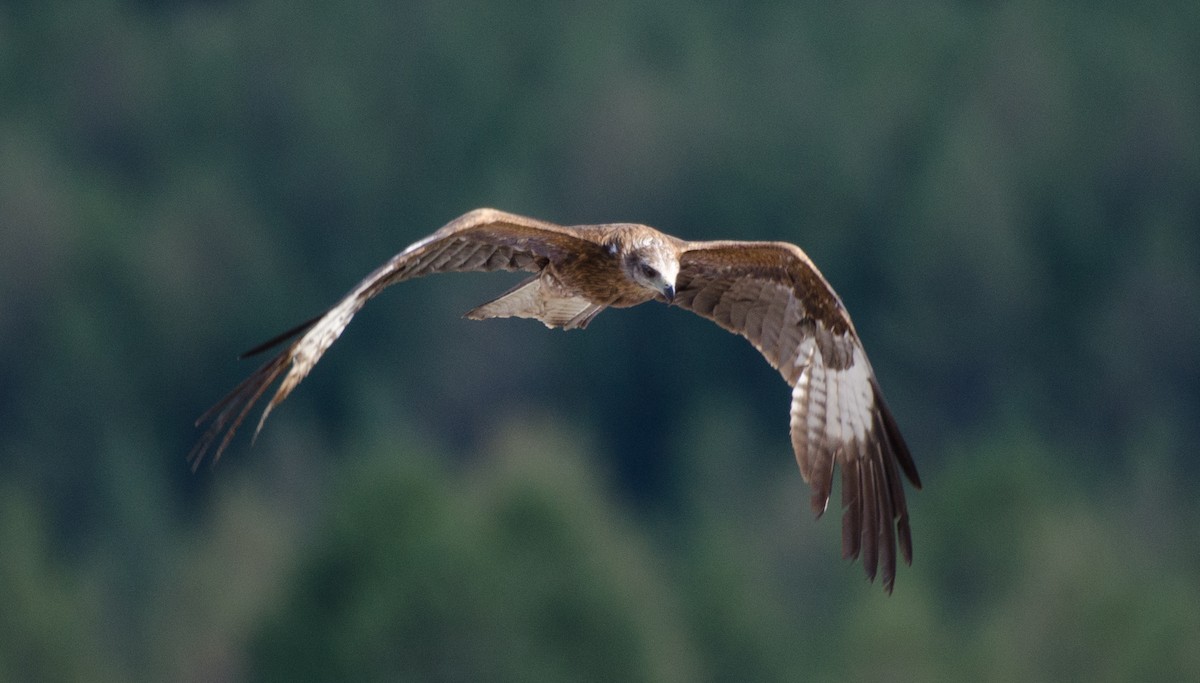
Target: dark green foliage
<point x="525" y="573"/>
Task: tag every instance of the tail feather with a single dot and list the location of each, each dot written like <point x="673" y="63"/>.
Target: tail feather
<point x="533" y="298"/>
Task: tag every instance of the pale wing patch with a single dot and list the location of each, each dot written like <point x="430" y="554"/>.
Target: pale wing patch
<point x="808" y="409"/>
<point x="845" y="396"/>
<point x="832" y="434"/>
<point x="832" y="415"/>
<point x="856" y="406"/>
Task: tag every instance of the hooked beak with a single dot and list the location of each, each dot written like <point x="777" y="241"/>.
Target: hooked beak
<point x="668" y="291"/>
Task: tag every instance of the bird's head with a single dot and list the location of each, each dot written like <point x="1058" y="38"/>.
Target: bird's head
<point x="653" y="264"/>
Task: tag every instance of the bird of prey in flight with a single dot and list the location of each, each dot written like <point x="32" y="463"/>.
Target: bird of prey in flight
<point x="768" y="292"/>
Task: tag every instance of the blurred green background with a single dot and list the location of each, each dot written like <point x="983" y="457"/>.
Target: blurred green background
<point x="1006" y="195"/>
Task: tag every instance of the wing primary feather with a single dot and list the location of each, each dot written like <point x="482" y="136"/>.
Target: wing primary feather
<point x="870" y="534"/>
<point x="280" y="338"/>
<point x="891" y="433"/>
<point x="886" y="518"/>
<point x="899" y="506"/>
<point x="240" y="400"/>
<point x="851" y="510"/>
<point x="904" y="534"/>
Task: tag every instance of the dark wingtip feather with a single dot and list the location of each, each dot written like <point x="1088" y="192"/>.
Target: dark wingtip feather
<point x="875" y="513"/>
<point x="229" y="413"/>
<point x="280" y="338"/>
<point x="851" y="511"/>
<point x="905" y="536"/>
<point x="887" y="543"/>
<point x="893" y="439"/>
<point x="870" y="551"/>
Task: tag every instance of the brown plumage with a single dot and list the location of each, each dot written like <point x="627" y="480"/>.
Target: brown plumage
<point x="768" y="292"/>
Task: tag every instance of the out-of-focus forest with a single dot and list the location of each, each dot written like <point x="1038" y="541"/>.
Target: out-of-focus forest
<point x="1007" y="197"/>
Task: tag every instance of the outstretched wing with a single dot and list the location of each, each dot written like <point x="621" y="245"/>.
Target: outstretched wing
<point x="771" y="294"/>
<point x="482" y="240"/>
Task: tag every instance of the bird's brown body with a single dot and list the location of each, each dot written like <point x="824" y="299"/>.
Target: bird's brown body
<point x="768" y="292"/>
<point x="597" y="276"/>
<point x="570" y="290"/>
